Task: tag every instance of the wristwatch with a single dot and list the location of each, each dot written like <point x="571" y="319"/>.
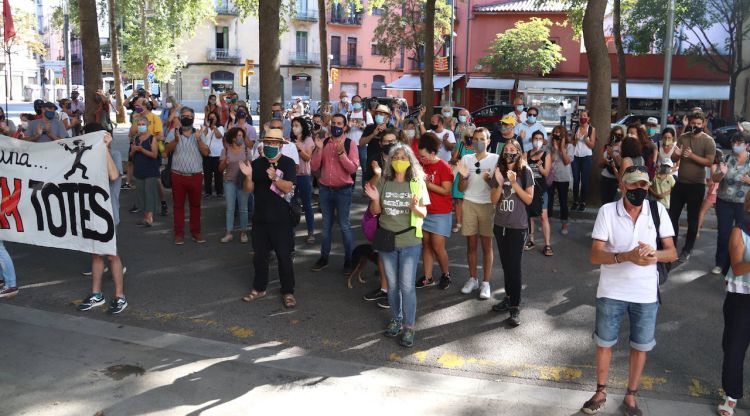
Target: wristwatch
<point x="617" y="258"/>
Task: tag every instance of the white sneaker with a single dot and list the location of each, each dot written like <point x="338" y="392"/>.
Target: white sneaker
<point x="484" y="291"/>
<point x="716" y="270"/>
<point x="470" y="286"/>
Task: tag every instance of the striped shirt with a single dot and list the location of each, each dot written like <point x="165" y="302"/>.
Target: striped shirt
<point x="187" y="157"/>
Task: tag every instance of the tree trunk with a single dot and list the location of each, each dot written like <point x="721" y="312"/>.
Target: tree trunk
<point x="622" y="93"/>
<point x="113" y="42"/>
<point x="146" y="83"/>
<point x="270" y="73"/>
<point x="429" y="60"/>
<point x="599" y="101"/>
<point x="733" y="94"/>
<point x="92" y="59"/>
<point x="323" y="33"/>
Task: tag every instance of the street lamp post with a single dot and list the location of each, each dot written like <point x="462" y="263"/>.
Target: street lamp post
<point x="66" y="45"/>
<point x="450" y="58"/>
<point x="668" y="45"/>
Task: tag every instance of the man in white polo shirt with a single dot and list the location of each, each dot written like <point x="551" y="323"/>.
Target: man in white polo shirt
<point x="625" y="241"/>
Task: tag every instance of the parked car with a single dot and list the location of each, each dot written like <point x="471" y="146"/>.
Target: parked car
<point x="489" y="116"/>
<point x="633" y="118"/>
<point x="435" y="110"/>
<point x="723" y="135"/>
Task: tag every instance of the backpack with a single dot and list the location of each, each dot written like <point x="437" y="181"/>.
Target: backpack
<point x="662" y="268"/>
<point x="534" y="209"/>
<point x="347" y="146"/>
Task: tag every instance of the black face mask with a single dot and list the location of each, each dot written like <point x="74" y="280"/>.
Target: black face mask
<point x="186" y="121"/>
<point x="433" y="127"/>
<point x="386" y="147"/>
<point x="693" y="129"/>
<point x="636" y="196"/>
<point x="510" y="157"/>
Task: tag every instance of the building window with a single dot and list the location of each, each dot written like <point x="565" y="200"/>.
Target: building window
<point x="377" y="50"/>
<point x="378" y="82"/>
<point x="496" y="97"/>
<point x="336" y="50"/>
<point x="301" y="85"/>
<point x="301" y="43"/>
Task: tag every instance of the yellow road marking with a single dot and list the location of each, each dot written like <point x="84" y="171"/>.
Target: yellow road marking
<point x="241" y="332"/>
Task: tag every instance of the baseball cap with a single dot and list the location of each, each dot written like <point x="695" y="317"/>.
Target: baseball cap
<point x="508" y="119"/>
<point x="635" y="174"/>
<point x="667" y="162"/>
<point x="652" y="120"/>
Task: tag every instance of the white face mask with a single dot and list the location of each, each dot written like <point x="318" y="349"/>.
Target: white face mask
<point x="409" y="134"/>
<point x="25" y="125"/>
<point x="297" y="131"/>
<point x="538" y="144"/>
<point x="169" y="105"/>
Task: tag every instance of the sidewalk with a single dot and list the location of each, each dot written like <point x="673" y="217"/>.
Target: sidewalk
<point x="53" y="364"/>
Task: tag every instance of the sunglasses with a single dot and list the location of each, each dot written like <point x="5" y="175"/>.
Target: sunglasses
<point x="476" y="165"/>
<point x="532" y="114"/>
<point x="632" y="169"/>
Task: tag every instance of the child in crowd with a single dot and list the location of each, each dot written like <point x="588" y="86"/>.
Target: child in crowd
<point x="663" y="183"/>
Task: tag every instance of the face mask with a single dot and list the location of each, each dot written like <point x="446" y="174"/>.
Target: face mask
<point x="186" y="121"/>
<point x="337" y="131"/>
<point x="139" y="110"/>
<point x="531" y="119"/>
<point x="480" y="146"/>
<point x="433" y="127"/>
<point x="270" y="152"/>
<point x="276" y="114"/>
<point x="169" y="105"/>
<point x="297" y="130"/>
<point x="651" y="131"/>
<point x="469" y="141"/>
<point x="668" y="142"/>
<point x="584" y="120"/>
<point x="409" y="134"/>
<point x="693" y="129"/>
<point x="142" y="129"/>
<point x="241" y="114"/>
<point x="386" y="148"/>
<point x="538" y="144"/>
<point x="462" y="119"/>
<point x="665" y="170"/>
<point x="510" y="157"/>
<point x="739" y="148"/>
<point x="447" y="114"/>
<point x="49" y="114"/>
<point x="505" y="129"/>
<point x="519" y="108"/>
<point x="400" y="166"/>
<point x="344" y="99"/>
<point x="357" y="106"/>
<point x="25" y="125"/>
<point x="239" y="140"/>
<point x="379" y="119"/>
<point x="636" y="196"/>
<point x="211" y="121"/>
<point x="316" y="126"/>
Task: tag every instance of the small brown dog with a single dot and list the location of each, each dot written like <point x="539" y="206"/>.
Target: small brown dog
<point x="361" y="255"/>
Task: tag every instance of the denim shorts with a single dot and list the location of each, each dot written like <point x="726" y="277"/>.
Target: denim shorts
<point x="609" y="313"/>
<point x="439" y="224"/>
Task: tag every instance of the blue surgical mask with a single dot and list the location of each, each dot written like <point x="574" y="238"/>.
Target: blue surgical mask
<point x="337" y="131"/>
<point x="142" y="129"/>
<point x="531" y="119"/>
<point x="379" y="119"/>
<point x="651" y="131"/>
<point x="738" y="148"/>
<point x="357" y="106"/>
<point x="462" y="119"/>
<point x="519" y="108"/>
<point x="447" y="114"/>
<point x="270" y="152"/>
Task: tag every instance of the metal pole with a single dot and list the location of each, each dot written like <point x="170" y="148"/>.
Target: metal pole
<point x="450" y="57"/>
<point x="66" y="45"/>
<point x="668" y="45"/>
<point x="6" y="84"/>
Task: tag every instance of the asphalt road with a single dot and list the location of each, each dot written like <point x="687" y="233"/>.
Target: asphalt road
<point x="195" y="290"/>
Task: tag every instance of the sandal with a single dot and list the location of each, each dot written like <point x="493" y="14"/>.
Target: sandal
<point x="547" y="251"/>
<point x="726" y="408"/>
<point x="631" y="410"/>
<point x="254" y="295"/>
<point x="457" y="228"/>
<point x="592" y="406"/>
<point x="289" y="301"/>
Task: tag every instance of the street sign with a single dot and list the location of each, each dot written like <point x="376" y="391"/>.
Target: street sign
<point x="151" y="67"/>
<point x="205" y="82"/>
<point x="151" y="77"/>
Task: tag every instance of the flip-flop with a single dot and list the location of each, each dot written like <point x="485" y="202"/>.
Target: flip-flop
<point x="253" y="295"/>
<point x="289" y="301"/>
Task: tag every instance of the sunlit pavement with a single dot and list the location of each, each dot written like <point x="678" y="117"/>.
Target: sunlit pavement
<point x="194" y="290"/>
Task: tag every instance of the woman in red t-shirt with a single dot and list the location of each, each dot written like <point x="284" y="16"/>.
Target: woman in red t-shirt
<point x="437" y="224"/>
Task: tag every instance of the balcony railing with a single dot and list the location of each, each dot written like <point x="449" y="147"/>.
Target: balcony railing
<point x="224" y="55"/>
<point x="347" y="20"/>
<point x="304" y="58"/>
<point x="306" y="15"/>
<point x="224" y="8"/>
<point x="349" y="61"/>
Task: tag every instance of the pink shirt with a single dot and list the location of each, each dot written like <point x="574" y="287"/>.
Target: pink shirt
<point x="304" y="167"/>
<point x="336" y="170"/>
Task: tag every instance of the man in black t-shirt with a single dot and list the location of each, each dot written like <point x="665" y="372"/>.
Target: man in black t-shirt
<point x="272" y="178"/>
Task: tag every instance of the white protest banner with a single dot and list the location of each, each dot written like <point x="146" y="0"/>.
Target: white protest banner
<point x="56" y="194"/>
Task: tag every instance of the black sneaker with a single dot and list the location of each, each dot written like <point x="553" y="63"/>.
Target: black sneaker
<point x="375" y="295"/>
<point x="164" y="209"/>
<point x="383" y="304"/>
<point x="126" y="185"/>
<point x="348" y="268"/>
<point x="425" y="282"/>
<point x="582" y="207"/>
<point x="515" y="317"/>
<point x="503" y="306"/>
<point x="134" y="210"/>
<point x="445" y="281"/>
<point x="684" y="257"/>
<point x="319" y="265"/>
<point x="117" y="305"/>
<point x="92" y="301"/>
<point x="574" y="207"/>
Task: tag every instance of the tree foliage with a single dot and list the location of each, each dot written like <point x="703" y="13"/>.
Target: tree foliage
<point x="26" y="34"/>
<point x="524" y="49"/>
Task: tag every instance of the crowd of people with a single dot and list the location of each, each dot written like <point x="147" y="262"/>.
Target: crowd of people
<point x="423" y="183"/>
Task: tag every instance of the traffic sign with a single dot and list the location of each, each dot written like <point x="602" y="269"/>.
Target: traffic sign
<point x="205" y="82"/>
<point x="151" y="67"/>
<point x="151" y="77"/>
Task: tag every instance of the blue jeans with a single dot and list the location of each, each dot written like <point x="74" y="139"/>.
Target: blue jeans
<point x="7" y="271"/>
<point x="609" y="314"/>
<point x="727" y="214"/>
<point x="304" y="195"/>
<point x="339" y="200"/>
<point x="401" y="271"/>
<point x="232" y="195"/>
<point x="581" y="172"/>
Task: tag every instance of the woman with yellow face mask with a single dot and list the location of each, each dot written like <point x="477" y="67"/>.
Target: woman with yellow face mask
<point x="400" y="199"/>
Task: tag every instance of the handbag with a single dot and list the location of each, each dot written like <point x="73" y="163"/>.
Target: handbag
<point x="385" y="240"/>
<point x="662" y="268"/>
<point x="295" y="212"/>
<point x="534" y="209"/>
<point x="369" y="225"/>
<point x="239" y="180"/>
<point x="166" y="174"/>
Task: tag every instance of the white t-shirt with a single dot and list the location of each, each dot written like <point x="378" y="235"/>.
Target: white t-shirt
<point x="215" y="144"/>
<point x="627" y="281"/>
<point x="561" y="111"/>
<point x="444" y="153"/>
<point x="519" y="119"/>
<point x="355" y="133"/>
<point x="529" y="129"/>
<point x="64" y="116"/>
<point x="581" y="149"/>
<point x="477" y="189"/>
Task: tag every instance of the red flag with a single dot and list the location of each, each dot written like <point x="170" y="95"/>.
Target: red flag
<point x="9" y="31"/>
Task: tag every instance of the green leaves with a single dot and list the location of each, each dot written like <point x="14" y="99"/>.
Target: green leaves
<point x="524" y="49"/>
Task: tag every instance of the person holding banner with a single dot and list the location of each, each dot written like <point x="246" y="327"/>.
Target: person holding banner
<point x="96" y="298"/>
<point x="188" y="148"/>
